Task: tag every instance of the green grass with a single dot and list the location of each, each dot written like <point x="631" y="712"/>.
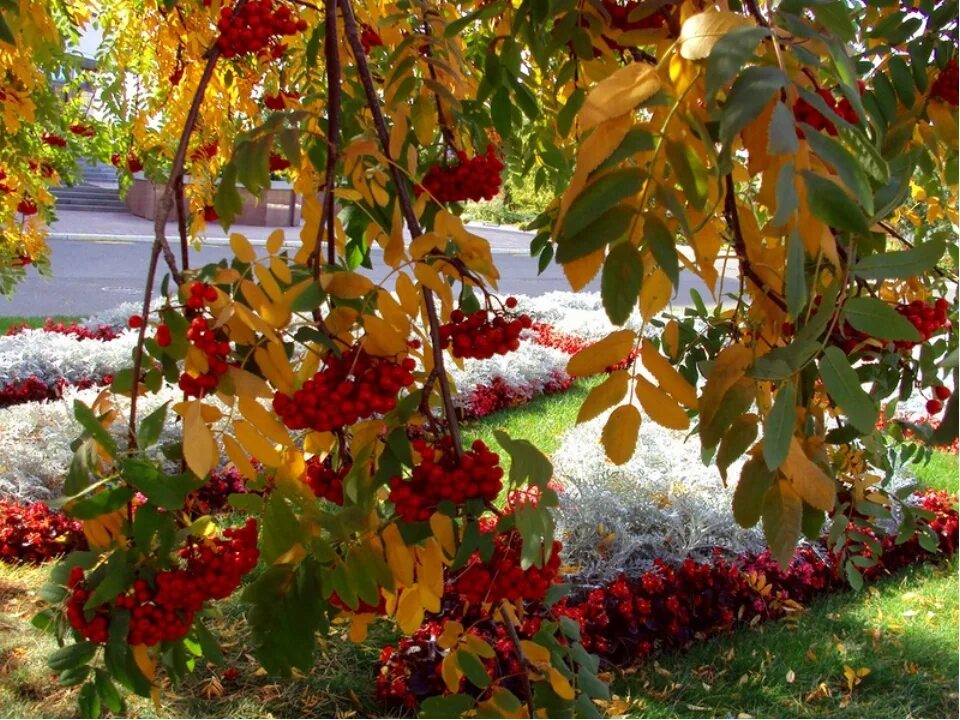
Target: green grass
<point x="941" y="472"/>
<point x="34" y="321"/>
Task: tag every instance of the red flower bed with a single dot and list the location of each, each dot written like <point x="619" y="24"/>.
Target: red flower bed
<point x="666" y="608"/>
<point x="33" y="389"/>
<point x="548" y="336"/>
<point x="498" y="395"/>
<point x="81" y="332"/>
<point x="34" y="533"/>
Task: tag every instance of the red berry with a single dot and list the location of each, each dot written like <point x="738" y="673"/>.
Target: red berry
<point x="163" y="336"/>
<point x="934" y="407"/>
<point x="942" y="392"/>
<point x="135" y="321"/>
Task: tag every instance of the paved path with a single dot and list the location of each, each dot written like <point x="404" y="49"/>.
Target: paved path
<point x="95" y="269"/>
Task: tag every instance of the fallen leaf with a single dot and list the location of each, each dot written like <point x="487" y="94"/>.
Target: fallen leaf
<point x="791" y="676"/>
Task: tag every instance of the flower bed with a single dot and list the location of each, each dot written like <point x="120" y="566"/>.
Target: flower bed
<point x="667" y="607"/>
<point x="34" y="533"/>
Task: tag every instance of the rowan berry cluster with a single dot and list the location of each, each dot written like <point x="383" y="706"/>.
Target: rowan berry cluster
<point x="83" y="130"/>
<point x="256" y="26"/>
<point x="945" y="87"/>
<point x="807" y="113"/>
<point x="54" y="140"/>
<point x="927" y="318"/>
<point x="133" y="162"/>
<point x="370" y="38"/>
<point x="502" y="578"/>
<point x="278" y="163"/>
<point x="162" y="611"/>
<point x="27" y="207"/>
<point x="214" y="345"/>
<point x="483" y="333"/>
<point x="326" y="481"/>
<point x="476" y="178"/>
<point x="352" y="386"/>
<point x="441" y="475"/>
<point x="279" y="101"/>
<point x="941" y="395"/>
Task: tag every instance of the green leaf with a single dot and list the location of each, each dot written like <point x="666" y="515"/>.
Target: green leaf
<point x="900" y="264"/>
<point x="659" y="240"/>
<point x="473" y="668"/>
<point x="281" y="529"/>
<point x="778" y="427"/>
<point x="620" y="282"/>
<point x="635" y="141"/>
<point x="446" y="706"/>
<point x="591" y="685"/>
<point x="782" y="132"/>
<point x="902" y="79"/>
<point x="91" y="424"/>
<point x="835" y="16"/>
<point x="88" y="699"/>
<point x="755" y="87"/>
<point x="607" y="228"/>
<point x="876" y="318"/>
<point x="846" y="165"/>
<point x="569" y="111"/>
<point x="72" y="656"/>
<point x="118" y="576"/>
<point x="75" y="676"/>
<point x="782" y="513"/>
<point x="457" y="26"/>
<point x="690" y="172"/>
<point x="253" y="165"/>
<point x="208" y="643"/>
<point x="108" y="693"/>
<point x="947" y="431"/>
<point x="729" y="55"/>
<point x="166" y="491"/>
<point x="151" y="427"/>
<point x="737" y="440"/>
<point x="843" y="385"/>
<point x="501" y="111"/>
<point x="787" y="200"/>
<point x="600" y="196"/>
<point x="833" y="205"/>
<point x="795" y="282"/>
<point x="227" y="201"/>
<point x="811" y="523"/>
<point x="101" y="503"/>
<point x="870" y="158"/>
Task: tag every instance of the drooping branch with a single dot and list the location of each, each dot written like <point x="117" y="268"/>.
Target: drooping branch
<point x="521" y="656"/>
<point x="445" y="129"/>
<point x="733" y="221"/>
<point x="406" y="208"/>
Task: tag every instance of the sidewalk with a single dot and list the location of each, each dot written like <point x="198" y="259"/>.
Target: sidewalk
<point x="124" y="227"/>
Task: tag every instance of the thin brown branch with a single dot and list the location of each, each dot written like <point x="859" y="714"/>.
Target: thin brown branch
<point x="445" y="129"/>
<point x="141" y="338"/>
<point x="521" y="655"/>
<point x="755" y="11"/>
<point x="331" y="53"/>
<point x="182" y="226"/>
<point x="406" y="207"/>
<point x="733" y="221"/>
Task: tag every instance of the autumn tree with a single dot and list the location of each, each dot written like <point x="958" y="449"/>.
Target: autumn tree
<point x="814" y="143"/>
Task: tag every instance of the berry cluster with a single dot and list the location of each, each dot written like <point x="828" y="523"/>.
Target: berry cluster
<point x="927" y="318"/>
<point x="370" y="38"/>
<point x="807" y="113"/>
<point x="163" y="611"/>
<point x="4" y="188"/>
<point x="279" y="101"/>
<point x="945" y="87"/>
<point x="212" y="343"/>
<point x="278" y="163"/>
<point x="476" y="178"/>
<point x="133" y="162"/>
<point x="27" y="207"/>
<point x="83" y="130"/>
<point x="256" y="26"/>
<point x="326" y="481"/>
<point x="54" y="140"/>
<point x="502" y="577"/>
<point x="34" y="533"/>
<point x="441" y="475"/>
<point x="478" y="335"/>
<point x="941" y="395"/>
<point x="350" y="387"/>
<point x="206" y="152"/>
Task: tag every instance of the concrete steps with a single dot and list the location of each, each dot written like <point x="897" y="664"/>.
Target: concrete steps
<point x="89" y="198"/>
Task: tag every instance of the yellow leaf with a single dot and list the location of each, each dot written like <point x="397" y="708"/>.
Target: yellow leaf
<point x="478" y="646"/>
<point x="671" y="339"/>
<point x="604" y="396"/>
<point x="582" y="270"/>
<point x="536" y="654"/>
<point x="701" y="32"/>
<point x="399" y="556"/>
<point x="256" y="444"/>
<point x="655" y="293"/>
<point x="275" y="241"/>
<point x="199" y="447"/>
<point x="278" y="355"/>
<point x="246" y="384"/>
<point x="407" y="295"/>
<point x="598" y="357"/>
<point x="277" y="378"/>
<point x="619" y="93"/>
<point x="430" y="575"/>
<point x="667" y="376"/>
<point x="381" y="339"/>
<point x="347" y="285"/>
<point x="148" y="666"/>
<point x="730" y="365"/>
<point x="561" y="686"/>
<point x="409" y="610"/>
<point x="450" y="636"/>
<point x="430" y="278"/>
<point x="444" y="531"/>
<point x="392" y="311"/>
<point x="619" y="435"/>
<point x="341" y="319"/>
<point x="242" y="248"/>
<point x="662" y="409"/>
<point x="605" y="138"/>
<point x="811" y="483"/>
<point x="451" y="673"/>
<point x="238" y="456"/>
<point x="264" y="421"/>
<point x="358" y="626"/>
<point x="105" y="530"/>
<point x="268" y="283"/>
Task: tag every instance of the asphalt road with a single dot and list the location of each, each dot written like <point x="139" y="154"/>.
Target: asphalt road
<point x="94" y="275"/>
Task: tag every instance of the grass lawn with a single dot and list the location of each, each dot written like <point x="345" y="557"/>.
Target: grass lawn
<point x="34" y="321"/>
<point x="904" y="629"/>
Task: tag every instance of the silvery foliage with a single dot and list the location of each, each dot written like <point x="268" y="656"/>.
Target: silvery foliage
<point x="117" y="317"/>
<point x="579" y="314"/>
<point x="50" y="356"/>
<point x="663" y="503"/>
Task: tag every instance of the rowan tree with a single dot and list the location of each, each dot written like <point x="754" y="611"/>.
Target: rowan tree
<point x="814" y="143"/>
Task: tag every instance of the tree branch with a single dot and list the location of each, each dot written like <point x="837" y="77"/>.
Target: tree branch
<point x="406" y="208"/>
<point x="733" y="221"/>
<point x="521" y="655"/>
